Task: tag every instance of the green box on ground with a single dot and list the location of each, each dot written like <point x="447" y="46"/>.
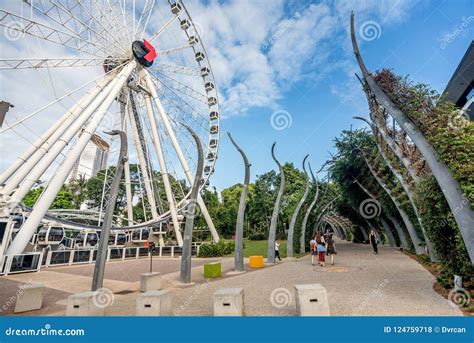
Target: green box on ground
<point x="212" y="269"/>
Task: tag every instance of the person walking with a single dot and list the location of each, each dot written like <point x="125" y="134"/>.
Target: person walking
<point x="312" y="249"/>
<point x="331" y="248"/>
<point x="374" y="241"/>
<point x="321" y="249"/>
<point x="277" y="250"/>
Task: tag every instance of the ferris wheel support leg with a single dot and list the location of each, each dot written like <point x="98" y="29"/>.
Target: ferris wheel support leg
<point x="57" y="181"/>
<point x="48" y="159"/>
<point x="143" y="165"/>
<point x="182" y="160"/>
<point x="164" y="172"/>
<point x="27" y="161"/>
<point x="126" y="167"/>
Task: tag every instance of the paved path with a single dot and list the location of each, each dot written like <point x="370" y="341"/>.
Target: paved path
<point x="360" y="283"/>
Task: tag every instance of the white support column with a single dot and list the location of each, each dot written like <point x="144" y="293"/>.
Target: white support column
<point x="57" y="181"/>
<point x="182" y="160"/>
<point x="164" y="172"/>
<point x="143" y="166"/>
<point x="126" y="167"/>
<point x="32" y="177"/>
<point x="26" y="162"/>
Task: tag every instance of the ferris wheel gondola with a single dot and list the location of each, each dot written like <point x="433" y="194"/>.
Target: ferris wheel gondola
<point x="157" y="75"/>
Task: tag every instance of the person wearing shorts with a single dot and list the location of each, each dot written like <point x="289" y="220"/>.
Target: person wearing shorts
<point x="322" y="252"/>
<point x="313" y="250"/>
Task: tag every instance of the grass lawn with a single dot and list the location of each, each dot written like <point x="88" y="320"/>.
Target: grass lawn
<point x="260" y="248"/>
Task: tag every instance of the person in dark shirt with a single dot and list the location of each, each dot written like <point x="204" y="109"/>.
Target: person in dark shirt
<point x="374" y="241"/>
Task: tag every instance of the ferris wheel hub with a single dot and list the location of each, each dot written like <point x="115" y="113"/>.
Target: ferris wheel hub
<point x="144" y="52"/>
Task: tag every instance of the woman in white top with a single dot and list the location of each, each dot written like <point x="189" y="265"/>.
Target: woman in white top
<point x="277" y="250"/>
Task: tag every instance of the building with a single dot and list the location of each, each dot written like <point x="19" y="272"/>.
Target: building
<point x="460" y="88"/>
<point x="92" y="160"/>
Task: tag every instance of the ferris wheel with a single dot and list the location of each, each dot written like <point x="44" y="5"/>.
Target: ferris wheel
<point x="136" y="66"/>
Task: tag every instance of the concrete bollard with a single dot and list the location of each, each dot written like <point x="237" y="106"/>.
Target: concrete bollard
<point x="85" y="304"/>
<point x="229" y="302"/>
<point x="312" y="300"/>
<point x="29" y="297"/>
<point x="150" y="282"/>
<point x="154" y="303"/>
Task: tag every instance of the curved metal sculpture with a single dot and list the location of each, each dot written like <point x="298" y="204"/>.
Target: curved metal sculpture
<point x="99" y="268"/>
<point x="406" y="188"/>
<point x="276" y="210"/>
<point x="308" y="211"/>
<point x="406" y="219"/>
<point x="452" y="191"/>
<point x="185" y="275"/>
<point x="291" y="230"/>
<point x="239" y="229"/>
<point x="401" y="234"/>
<point x="388" y="231"/>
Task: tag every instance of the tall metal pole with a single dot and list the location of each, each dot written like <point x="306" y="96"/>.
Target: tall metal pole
<point x="291" y="230"/>
<point x="239" y="229"/>
<point x="185" y="276"/>
<point x="98" y="278"/>
<point x="276" y="210"/>
<point x="308" y="212"/>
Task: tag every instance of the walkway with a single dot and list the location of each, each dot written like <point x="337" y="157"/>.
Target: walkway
<point x="361" y="283"/>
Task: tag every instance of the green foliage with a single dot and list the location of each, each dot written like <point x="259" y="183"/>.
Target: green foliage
<point x="222" y="248"/>
<point x="442" y="229"/>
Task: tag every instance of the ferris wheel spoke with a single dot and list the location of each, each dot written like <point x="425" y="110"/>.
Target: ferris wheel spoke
<point x="48" y="33"/>
<point x="173" y="68"/>
<point x="122" y="14"/>
<point x="58" y="100"/>
<point x="180" y="110"/>
<point x="164" y="27"/>
<point x="37" y="63"/>
<point x="174" y="50"/>
<point x="90" y="27"/>
<point x="144" y="19"/>
<point x="113" y="38"/>
<point x="174" y="92"/>
<point x="64" y="16"/>
<point x="106" y="19"/>
<point x="182" y="88"/>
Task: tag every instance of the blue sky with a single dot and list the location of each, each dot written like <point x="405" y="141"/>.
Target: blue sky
<point x="275" y="62"/>
<point x="424" y="39"/>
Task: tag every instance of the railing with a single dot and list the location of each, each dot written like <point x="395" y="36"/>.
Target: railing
<point x="22" y="263"/>
<point x="34" y="261"/>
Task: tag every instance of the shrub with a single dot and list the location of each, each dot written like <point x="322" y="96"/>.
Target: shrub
<point x="221" y="248"/>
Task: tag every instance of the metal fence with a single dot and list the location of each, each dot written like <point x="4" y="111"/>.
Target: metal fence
<point x="34" y="261"/>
